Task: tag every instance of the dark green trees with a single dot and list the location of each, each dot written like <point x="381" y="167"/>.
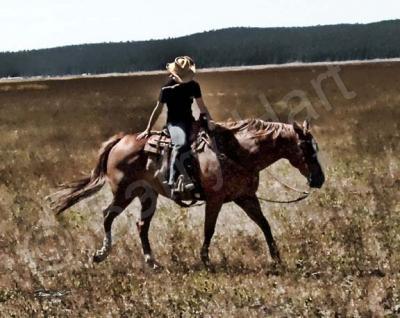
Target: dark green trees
<point x="227" y="47"/>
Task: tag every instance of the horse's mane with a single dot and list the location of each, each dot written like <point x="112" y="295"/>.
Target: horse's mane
<point x="258" y="126"/>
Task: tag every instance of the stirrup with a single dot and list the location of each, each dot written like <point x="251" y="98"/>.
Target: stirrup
<point x="189" y="186"/>
<point x="182" y="186"/>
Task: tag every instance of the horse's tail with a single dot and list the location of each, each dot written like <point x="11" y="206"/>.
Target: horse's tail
<point x="73" y="192"/>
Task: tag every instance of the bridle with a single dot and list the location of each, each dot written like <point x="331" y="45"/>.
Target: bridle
<point x="303" y="194"/>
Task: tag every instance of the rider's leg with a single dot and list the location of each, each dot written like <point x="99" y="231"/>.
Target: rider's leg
<point x="179" y="142"/>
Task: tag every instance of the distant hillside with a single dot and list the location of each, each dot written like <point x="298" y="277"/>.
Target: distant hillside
<point x="226" y="47"/>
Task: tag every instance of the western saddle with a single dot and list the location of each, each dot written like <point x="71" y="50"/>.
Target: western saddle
<point x="159" y="147"/>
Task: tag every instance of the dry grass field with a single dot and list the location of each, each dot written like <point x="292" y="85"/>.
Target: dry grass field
<point x="341" y="246"/>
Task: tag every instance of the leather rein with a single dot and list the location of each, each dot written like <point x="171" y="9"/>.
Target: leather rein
<point x="304" y="194"/>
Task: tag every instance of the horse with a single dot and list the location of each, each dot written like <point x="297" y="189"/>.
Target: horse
<point x="248" y="146"/>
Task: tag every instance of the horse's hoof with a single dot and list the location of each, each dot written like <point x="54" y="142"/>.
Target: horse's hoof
<point x="205" y="258"/>
<point x="277" y="261"/>
<point x="207" y="264"/>
<point x="210" y="267"/>
<point x="277" y="268"/>
<point x="99" y="257"/>
<point x="153" y="265"/>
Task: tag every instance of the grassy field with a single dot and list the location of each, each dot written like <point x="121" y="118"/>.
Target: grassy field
<point x="341" y="246"/>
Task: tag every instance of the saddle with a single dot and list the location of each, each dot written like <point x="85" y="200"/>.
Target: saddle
<point x="160" y="141"/>
<point x="159" y="147"/>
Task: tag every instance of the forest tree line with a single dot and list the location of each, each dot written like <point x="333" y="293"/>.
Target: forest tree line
<point x="226" y="47"/>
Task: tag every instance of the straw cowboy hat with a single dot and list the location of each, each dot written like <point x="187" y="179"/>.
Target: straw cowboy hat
<point x="183" y="69"/>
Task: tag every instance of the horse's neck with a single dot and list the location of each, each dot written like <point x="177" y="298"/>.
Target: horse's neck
<point x="262" y="151"/>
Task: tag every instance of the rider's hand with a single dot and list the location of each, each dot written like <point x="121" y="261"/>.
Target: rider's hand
<point x="143" y="134"/>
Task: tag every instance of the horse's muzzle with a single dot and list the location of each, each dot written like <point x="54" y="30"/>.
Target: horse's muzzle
<point x="316" y="181"/>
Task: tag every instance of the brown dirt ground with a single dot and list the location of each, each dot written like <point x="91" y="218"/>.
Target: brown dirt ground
<point x="341" y="246"/>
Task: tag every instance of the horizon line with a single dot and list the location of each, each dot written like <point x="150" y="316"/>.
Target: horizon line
<point x="255" y="67"/>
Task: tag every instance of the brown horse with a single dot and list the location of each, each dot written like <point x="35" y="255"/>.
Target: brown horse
<point x="249" y="146"/>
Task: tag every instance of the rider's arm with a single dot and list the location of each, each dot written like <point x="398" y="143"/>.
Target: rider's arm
<point x="154" y="115"/>
<point x="211" y="125"/>
<point x="204" y="112"/>
<point x="203" y="108"/>
<point x="153" y="118"/>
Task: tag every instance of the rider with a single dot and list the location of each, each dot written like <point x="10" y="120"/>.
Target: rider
<point x="178" y="94"/>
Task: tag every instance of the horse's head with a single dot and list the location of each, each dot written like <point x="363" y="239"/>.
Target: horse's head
<point x="305" y="158"/>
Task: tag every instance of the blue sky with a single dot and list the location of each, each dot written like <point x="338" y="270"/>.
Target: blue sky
<point x="29" y="24"/>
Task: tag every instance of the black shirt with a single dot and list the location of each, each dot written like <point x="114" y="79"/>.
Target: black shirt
<point x="179" y="100"/>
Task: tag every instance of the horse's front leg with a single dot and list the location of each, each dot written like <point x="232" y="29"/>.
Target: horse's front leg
<point x="120" y="202"/>
<point x="149" y="203"/>
<point x="212" y="210"/>
<point x="251" y="205"/>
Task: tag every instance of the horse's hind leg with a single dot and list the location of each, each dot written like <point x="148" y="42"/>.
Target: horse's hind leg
<point x="119" y="203"/>
<point x="148" y="201"/>
<point x="252" y="207"/>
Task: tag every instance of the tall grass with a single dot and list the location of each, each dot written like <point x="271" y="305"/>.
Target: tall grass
<point x="340" y="247"/>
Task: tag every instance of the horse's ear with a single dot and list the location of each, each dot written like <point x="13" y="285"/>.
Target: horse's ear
<point x="298" y="129"/>
<point x="306" y="127"/>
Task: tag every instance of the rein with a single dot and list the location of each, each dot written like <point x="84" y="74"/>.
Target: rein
<point x="304" y="194"/>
